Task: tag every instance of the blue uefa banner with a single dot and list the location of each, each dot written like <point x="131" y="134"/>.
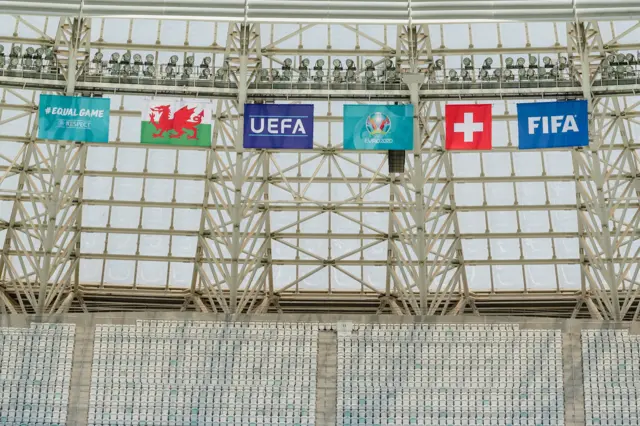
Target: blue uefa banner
<point x="73" y="118"/>
<point x="278" y="126"/>
<point x="553" y="125"/>
<point x="378" y="127"/>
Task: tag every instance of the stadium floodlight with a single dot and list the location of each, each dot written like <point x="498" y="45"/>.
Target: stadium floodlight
<point x="2" y="60"/>
<point x="115" y="69"/>
<point x="275" y="74"/>
<point x="49" y="54"/>
<point x="621" y="58"/>
<point x="205" y="73"/>
<point x="319" y="75"/>
<point x="547" y="62"/>
<point x="509" y="62"/>
<point x="351" y="76"/>
<point x="187" y="72"/>
<point x="115" y="58"/>
<point x="388" y="64"/>
<point x="97" y="58"/>
<point x="532" y="61"/>
<point x="190" y="61"/>
<point x="484" y="75"/>
<point x="319" y="64"/>
<point x="29" y="52"/>
<point x="150" y="71"/>
<point x="368" y="65"/>
<point x="468" y="63"/>
<point x="137" y="59"/>
<point x="439" y="64"/>
<point x="40" y="52"/>
<point x="16" y="52"/>
<point x="369" y="76"/>
<point x="337" y="64"/>
<point x="453" y="75"/>
<point x="126" y="57"/>
<point x="631" y="60"/>
<point x="336" y="74"/>
<point x="13" y="63"/>
<point x="126" y="69"/>
<point x="38" y="66"/>
<point x="350" y="64"/>
<point x="173" y="60"/>
<point x="487" y="63"/>
<point x="563" y="62"/>
<point x="206" y="62"/>
<point x="149" y="59"/>
<point x="531" y="73"/>
<point x="522" y="73"/>
<point x="287" y="75"/>
<point x="305" y="63"/>
<point x="27" y="61"/>
<point x="497" y="73"/>
<point x="554" y="73"/>
<point x="508" y="75"/>
<point x="287" y="64"/>
<point x="170" y="71"/>
<point x="391" y="76"/>
<point x="135" y="70"/>
<point x="466" y="76"/>
<point x="264" y="75"/>
<point x="221" y="74"/>
<point x="612" y="59"/>
<point x="520" y="62"/>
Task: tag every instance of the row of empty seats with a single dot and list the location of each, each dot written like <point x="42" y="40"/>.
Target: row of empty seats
<point x="611" y="371"/>
<point x="35" y="374"/>
<point x="167" y="373"/>
<point x="449" y="375"/>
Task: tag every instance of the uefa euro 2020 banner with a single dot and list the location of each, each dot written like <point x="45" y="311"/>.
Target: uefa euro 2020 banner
<point x="378" y="127"/>
<point x="73" y="118"/>
<point x="278" y="126"/>
<point x="176" y="123"/>
<point x="553" y="124"/>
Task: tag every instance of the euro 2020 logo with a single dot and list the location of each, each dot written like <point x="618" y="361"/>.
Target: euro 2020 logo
<point x="378" y="123"/>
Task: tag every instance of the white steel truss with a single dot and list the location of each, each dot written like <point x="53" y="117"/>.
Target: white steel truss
<point x="122" y="226"/>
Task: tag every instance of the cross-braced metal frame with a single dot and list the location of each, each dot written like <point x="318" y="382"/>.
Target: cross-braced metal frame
<point x="124" y="226"/>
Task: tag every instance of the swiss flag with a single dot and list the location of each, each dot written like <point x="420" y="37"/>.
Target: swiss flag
<point x="468" y="127"/>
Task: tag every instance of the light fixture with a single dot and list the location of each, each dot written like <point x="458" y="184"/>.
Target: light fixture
<point x="135" y="70"/>
<point x="547" y="62"/>
<point x="173" y="60"/>
<point x="170" y="71"/>
<point x="305" y="63"/>
<point x="319" y="75"/>
<point x="563" y="62"/>
<point x="126" y="69"/>
<point x="115" y="68"/>
<point x="2" y="60"/>
<point x="287" y="74"/>
<point x="115" y="57"/>
<point x="484" y="75"/>
<point x="187" y="72"/>
<point x="487" y="64"/>
<point x="221" y="74"/>
<point x="40" y="52"/>
<point x="275" y="75"/>
<point x="468" y="63"/>
<point x="351" y="76"/>
<point x="13" y="63"/>
<point x="631" y="60"/>
<point x="126" y="57"/>
<point x="520" y="62"/>
<point x="532" y="61"/>
<point x="337" y="75"/>
<point x="190" y="61"/>
<point x="149" y="71"/>
<point x="531" y="73"/>
<point x="439" y="64"/>
<point x="509" y="63"/>
<point x="391" y="76"/>
<point x="508" y="75"/>
<point x="388" y="64"/>
<point x="137" y="59"/>
<point x="49" y="54"/>
<point x="149" y="59"/>
<point x="350" y="64"/>
<point x="16" y="52"/>
<point x="303" y="70"/>
<point x="337" y="64"/>
<point x="319" y="64"/>
<point x="206" y="62"/>
<point x="287" y="64"/>
<point x="205" y="73"/>
<point x="554" y="73"/>
<point x="368" y="65"/>
<point x="522" y="73"/>
<point x="621" y="58"/>
<point x="453" y="75"/>
<point x="97" y="58"/>
<point x="37" y="64"/>
<point x="369" y="76"/>
<point x="497" y="73"/>
<point x="466" y="76"/>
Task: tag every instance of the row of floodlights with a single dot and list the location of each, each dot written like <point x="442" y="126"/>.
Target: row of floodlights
<point x="129" y="64"/>
<point x="31" y="59"/>
<point x="340" y="73"/>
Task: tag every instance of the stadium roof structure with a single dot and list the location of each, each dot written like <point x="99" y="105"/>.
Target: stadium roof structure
<point x="123" y="226"/>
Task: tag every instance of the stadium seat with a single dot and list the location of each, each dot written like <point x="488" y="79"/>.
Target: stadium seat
<point x="611" y="370"/>
<point x="449" y="375"/>
<point x="167" y="373"/>
<point x="35" y="374"/>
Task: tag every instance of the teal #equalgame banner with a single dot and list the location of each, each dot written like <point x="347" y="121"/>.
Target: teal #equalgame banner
<point x="378" y="127"/>
<point x="73" y="118"/>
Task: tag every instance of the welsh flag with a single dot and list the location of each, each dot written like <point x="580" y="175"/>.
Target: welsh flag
<point x="176" y="123"/>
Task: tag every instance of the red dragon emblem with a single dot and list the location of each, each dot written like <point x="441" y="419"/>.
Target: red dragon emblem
<point x="183" y="119"/>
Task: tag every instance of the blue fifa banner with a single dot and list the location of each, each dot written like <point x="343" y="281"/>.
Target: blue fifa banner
<point x="378" y="127"/>
<point x="72" y="118"/>
<point x="553" y="124"/>
<point x="278" y="126"/>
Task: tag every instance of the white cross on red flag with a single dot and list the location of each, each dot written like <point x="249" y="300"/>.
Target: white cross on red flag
<point x="468" y="127"/>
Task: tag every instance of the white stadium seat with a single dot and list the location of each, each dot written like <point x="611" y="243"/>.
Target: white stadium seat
<point x="167" y="373"/>
<point x="464" y="375"/>
<point x="35" y="374"/>
<point x="611" y="370"/>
